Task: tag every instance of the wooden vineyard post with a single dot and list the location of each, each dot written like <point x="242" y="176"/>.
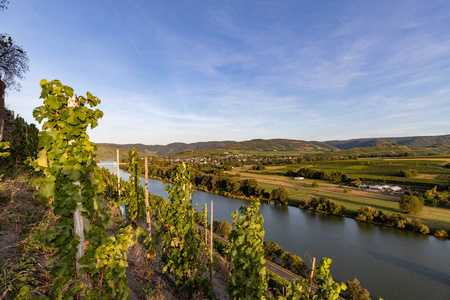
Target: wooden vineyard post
<point x="118" y="173"/>
<point x="311" y="275"/>
<point x="146" y="198"/>
<point x="77" y="217"/>
<point x="211" y="243"/>
<point x="78" y="230"/>
<point x="135" y="195"/>
<point x="206" y="225"/>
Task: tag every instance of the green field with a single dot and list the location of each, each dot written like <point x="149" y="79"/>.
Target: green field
<point x="431" y="170"/>
<point x="269" y="179"/>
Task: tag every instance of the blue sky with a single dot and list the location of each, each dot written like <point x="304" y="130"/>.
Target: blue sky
<point x="190" y="71"/>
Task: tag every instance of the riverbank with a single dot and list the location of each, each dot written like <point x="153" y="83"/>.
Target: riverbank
<point x="390" y="263"/>
<point x="432" y="221"/>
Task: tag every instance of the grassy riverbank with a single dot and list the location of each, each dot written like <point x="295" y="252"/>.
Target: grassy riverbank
<point x="433" y="217"/>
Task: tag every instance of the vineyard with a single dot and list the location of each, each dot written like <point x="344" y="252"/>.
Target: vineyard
<point x="430" y="172"/>
<point x="93" y="220"/>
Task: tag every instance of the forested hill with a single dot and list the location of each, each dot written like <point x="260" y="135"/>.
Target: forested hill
<point x="274" y="146"/>
<point x="172" y="148"/>
<point x="414" y="141"/>
<point x="282" y="145"/>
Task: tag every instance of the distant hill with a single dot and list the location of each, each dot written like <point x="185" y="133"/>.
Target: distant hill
<point x="172" y="148"/>
<point x="257" y="146"/>
<point x="393" y="145"/>
<point x="107" y="151"/>
<point x="280" y="145"/>
<point x="390" y="150"/>
<point x="414" y="141"/>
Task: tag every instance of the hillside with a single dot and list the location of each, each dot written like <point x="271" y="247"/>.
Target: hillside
<point x="420" y="145"/>
<point x="389" y="150"/>
<point x="105" y="151"/>
<point x="413" y="141"/>
<point x="277" y="145"/>
<point x="170" y="149"/>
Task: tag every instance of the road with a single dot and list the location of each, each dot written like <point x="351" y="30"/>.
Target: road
<point x="277" y="269"/>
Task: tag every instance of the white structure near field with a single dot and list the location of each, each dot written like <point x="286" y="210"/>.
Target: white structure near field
<point x="299" y="178"/>
<point x="385" y="187"/>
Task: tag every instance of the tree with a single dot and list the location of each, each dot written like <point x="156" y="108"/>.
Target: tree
<point x="224" y="229"/>
<point x="280" y="195"/>
<point x="409" y="173"/>
<point x="355" y="291"/>
<point x="13" y="62"/>
<point x="411" y="204"/>
<point x="272" y="250"/>
<point x="293" y="263"/>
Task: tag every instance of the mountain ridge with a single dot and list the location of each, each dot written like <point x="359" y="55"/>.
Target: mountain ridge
<point x="274" y="145"/>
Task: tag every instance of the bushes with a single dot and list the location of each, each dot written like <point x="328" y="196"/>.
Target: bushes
<point x="312" y="173"/>
<point x="441" y="233"/>
<point x="366" y="214"/>
<point x="355" y="291"/>
<point x="323" y="205"/>
<point x="411" y="204"/>
<point x="280" y="195"/>
<point x="272" y="250"/>
<point x="370" y="214"/>
<point x="409" y="173"/>
<point x="293" y="263"/>
<point x="224" y="228"/>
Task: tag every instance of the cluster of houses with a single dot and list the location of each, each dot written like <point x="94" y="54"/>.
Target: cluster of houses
<point x="386" y="187"/>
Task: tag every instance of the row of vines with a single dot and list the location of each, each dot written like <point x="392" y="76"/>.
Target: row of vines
<point x="91" y="261"/>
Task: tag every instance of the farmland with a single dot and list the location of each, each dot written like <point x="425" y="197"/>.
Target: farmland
<point x="431" y="172"/>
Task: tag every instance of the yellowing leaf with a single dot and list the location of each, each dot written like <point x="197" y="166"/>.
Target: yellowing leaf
<point x="42" y="159"/>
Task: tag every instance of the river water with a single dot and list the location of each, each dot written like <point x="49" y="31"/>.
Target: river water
<point x="390" y="263"/>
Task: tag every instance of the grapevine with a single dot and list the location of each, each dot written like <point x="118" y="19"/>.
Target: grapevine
<point x="181" y="244"/>
<point x="248" y="273"/>
<point x="71" y="184"/>
<point x="133" y="192"/>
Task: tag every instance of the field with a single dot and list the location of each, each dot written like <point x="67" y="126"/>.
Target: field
<point x="431" y="171"/>
<point x="435" y="218"/>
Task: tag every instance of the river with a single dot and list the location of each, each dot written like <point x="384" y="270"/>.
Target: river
<point x="389" y="263"/>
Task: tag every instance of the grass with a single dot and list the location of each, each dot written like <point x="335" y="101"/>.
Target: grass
<point x="431" y="170"/>
<point x="434" y="218"/>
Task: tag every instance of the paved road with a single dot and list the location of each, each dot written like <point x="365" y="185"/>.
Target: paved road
<point x="282" y="272"/>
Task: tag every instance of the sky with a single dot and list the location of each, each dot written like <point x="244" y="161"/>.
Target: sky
<point x="193" y="71"/>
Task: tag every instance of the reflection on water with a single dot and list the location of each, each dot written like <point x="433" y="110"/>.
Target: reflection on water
<point x="390" y="263"/>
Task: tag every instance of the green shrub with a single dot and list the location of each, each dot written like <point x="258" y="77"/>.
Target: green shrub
<point x="441" y="233"/>
<point x="224" y="229"/>
<point x="293" y="263"/>
<point x="323" y="205"/>
<point x="409" y="173"/>
<point x="411" y="204"/>
<point x="280" y="195"/>
<point x="272" y="250"/>
<point x="366" y="214"/>
<point x="355" y="291"/>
